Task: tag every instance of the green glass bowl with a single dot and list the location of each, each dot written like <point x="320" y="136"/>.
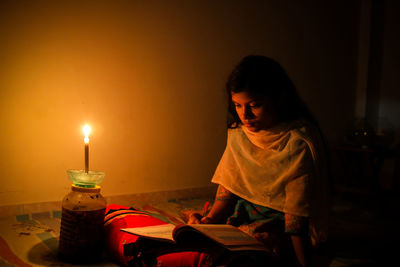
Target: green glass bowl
<point x="82" y="179"/>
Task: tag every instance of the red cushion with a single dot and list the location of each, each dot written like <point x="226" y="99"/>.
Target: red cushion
<point x="118" y="217"/>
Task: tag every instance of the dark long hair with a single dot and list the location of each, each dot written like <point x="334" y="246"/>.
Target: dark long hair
<point x="264" y="77"/>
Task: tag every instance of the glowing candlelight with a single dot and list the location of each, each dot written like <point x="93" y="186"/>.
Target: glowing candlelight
<point x="86" y="132"/>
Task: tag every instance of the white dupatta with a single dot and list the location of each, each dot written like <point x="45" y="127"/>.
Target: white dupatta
<point x="282" y="168"/>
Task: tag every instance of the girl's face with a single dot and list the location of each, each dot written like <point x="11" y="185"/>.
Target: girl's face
<point x="255" y="113"/>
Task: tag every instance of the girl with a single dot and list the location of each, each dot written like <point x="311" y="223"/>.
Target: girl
<point x="272" y="177"/>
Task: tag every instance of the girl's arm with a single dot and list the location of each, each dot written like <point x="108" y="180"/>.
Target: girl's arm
<point x="222" y="208"/>
<point x="301" y="249"/>
<point x="297" y="227"/>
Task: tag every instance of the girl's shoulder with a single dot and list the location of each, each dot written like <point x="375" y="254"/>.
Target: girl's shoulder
<point x="303" y="134"/>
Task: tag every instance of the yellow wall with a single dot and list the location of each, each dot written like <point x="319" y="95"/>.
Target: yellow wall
<point x="149" y="78"/>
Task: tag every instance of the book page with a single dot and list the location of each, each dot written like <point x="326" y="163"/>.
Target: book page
<point x="226" y="234"/>
<point x="163" y="231"/>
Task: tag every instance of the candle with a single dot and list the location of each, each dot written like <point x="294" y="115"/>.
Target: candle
<point x="86" y="132"/>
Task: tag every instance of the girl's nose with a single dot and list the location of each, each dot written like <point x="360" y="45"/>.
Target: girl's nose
<point x="248" y="114"/>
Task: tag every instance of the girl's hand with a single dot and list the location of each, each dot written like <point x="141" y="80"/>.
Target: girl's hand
<point x="194" y="218"/>
<point x="207" y="220"/>
<point x="197" y="218"/>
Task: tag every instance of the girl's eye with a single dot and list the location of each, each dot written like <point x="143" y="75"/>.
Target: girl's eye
<point x="255" y="105"/>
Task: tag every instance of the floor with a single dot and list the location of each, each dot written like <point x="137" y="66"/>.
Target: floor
<point x="363" y="232"/>
<point x="364" y="229"/>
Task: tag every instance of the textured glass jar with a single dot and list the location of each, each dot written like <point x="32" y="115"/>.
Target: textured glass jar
<point x="82" y="225"/>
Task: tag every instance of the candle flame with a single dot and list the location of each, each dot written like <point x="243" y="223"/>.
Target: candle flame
<point x="86" y="132"/>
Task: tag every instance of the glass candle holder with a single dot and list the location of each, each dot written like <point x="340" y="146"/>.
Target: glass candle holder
<point x="85" y="179"/>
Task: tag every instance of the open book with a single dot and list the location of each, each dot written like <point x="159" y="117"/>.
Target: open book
<point x="225" y="235"/>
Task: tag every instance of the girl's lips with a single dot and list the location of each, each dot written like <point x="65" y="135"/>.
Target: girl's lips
<point x="249" y="125"/>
